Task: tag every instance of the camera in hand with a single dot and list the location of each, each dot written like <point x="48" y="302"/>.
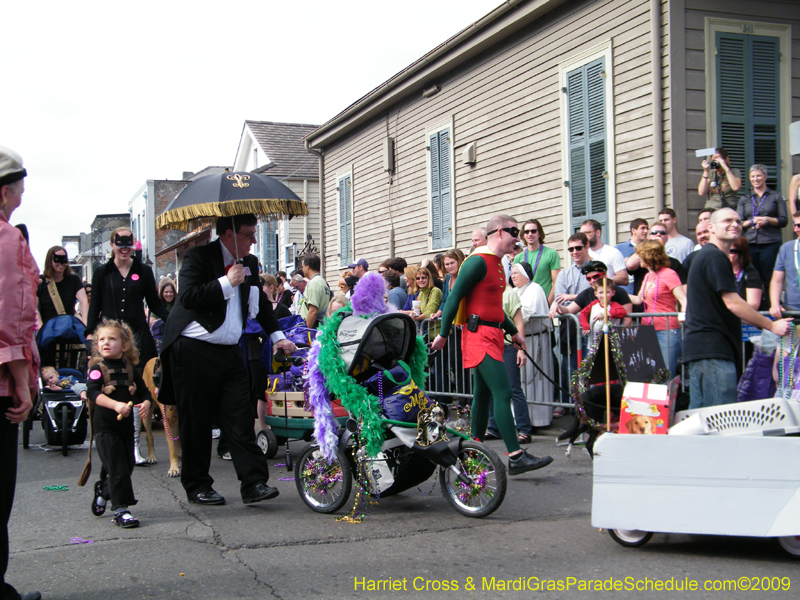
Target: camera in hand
<point x="714" y="164"/>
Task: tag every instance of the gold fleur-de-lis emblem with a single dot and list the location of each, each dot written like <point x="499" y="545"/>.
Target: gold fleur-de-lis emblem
<point x="239" y="180"/>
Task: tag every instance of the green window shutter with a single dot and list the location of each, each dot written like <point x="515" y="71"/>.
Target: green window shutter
<point x="441" y="190"/>
<point x="586" y="115"/>
<point x="748" y="105"/>
<point x="345" y="221"/>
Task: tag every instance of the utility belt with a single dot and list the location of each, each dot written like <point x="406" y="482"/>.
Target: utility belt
<point x="473" y="321"/>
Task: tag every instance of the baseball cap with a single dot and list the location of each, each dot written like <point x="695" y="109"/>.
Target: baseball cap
<point x="11" y="169"/>
<point x="592" y="266"/>
<point x="361" y="263"/>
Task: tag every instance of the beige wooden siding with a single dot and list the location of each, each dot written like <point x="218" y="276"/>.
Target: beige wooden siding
<point x="696" y="11"/>
<point x="299" y="225"/>
<point x="508" y="102"/>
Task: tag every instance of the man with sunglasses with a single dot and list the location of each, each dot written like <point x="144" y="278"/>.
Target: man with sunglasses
<point x="479" y="289"/>
<point x="544" y="261"/>
<point x="787" y="270"/>
<point x="571" y="281"/>
<point x="657" y="233"/>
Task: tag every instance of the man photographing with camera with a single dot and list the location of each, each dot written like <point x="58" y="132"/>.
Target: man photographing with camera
<point x="720" y="183"/>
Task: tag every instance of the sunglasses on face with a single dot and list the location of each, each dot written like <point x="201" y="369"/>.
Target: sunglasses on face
<point x="594" y="277"/>
<point x="658" y="232"/>
<point x="512" y="231"/>
<point x="530" y="231"/>
<point x="575" y="248"/>
<point x="60" y="259"/>
<point x="796" y="226"/>
<point x="733" y="251"/>
<point x="423" y="278"/>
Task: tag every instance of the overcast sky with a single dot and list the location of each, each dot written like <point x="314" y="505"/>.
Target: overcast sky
<point x="99" y="97"/>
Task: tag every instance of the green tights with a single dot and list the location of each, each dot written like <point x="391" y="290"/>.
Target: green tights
<point x="490" y="381"/>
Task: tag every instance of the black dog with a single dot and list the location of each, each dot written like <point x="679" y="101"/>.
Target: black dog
<point x="593" y="401"/>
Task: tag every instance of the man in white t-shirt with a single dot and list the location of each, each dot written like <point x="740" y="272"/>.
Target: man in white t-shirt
<point x="609" y="255"/>
<point x="678" y="246"/>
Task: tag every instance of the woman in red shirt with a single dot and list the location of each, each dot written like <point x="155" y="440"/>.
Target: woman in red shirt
<point x="660" y="293"/>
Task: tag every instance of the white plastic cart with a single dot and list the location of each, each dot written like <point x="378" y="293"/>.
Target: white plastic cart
<point x="727" y="470"/>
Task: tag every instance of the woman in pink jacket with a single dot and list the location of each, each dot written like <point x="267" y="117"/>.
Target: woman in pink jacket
<point x="19" y="359"/>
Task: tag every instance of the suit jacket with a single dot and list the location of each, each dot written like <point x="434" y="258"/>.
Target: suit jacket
<point x="201" y="299"/>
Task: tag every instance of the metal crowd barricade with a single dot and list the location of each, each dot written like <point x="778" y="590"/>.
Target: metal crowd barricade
<point x="450" y="382"/>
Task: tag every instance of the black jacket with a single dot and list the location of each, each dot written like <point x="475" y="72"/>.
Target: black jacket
<point x="123" y="299"/>
<point x="200" y="299"/>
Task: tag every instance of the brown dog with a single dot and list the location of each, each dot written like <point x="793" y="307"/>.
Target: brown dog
<point x="152" y="370"/>
<point x="639" y="424"/>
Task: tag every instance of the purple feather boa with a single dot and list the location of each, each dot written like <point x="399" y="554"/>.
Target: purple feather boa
<point x="368" y="296"/>
<point x="368" y="300"/>
<point x="319" y="401"/>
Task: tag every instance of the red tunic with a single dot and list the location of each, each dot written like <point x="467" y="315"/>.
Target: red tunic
<point x="486" y="301"/>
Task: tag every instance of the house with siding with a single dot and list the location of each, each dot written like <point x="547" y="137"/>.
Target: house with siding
<point x="276" y="149"/>
<point x="561" y="110"/>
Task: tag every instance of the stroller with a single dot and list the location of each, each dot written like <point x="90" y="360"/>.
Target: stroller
<point x="64" y="416"/>
<point x="396" y="437"/>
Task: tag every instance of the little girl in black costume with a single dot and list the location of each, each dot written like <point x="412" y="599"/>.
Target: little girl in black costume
<point x="114" y="386"/>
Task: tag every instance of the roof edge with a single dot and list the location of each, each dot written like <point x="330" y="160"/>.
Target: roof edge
<point x="503" y="21"/>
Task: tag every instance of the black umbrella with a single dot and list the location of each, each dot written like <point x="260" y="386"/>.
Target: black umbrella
<point x="228" y="195"/>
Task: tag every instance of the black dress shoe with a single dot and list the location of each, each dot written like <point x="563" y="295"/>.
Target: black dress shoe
<point x="260" y="491"/>
<point x="210" y="497"/>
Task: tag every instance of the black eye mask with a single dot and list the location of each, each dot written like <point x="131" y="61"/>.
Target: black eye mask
<point x="123" y="241"/>
<point x="60" y="259"/>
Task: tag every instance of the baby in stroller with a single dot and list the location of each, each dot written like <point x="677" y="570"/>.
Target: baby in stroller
<point x="53" y="380"/>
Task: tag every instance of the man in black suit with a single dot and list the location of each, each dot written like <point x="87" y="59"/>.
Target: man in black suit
<point x="204" y="370"/>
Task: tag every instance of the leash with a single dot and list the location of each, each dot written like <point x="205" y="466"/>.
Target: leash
<point x="533" y="362"/>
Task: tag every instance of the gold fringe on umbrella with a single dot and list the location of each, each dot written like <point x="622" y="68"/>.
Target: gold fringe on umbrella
<point x="180" y="218"/>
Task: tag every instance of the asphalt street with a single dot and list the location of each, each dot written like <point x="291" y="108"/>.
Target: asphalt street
<point x="408" y="546"/>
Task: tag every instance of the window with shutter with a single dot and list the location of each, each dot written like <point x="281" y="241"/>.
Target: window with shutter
<point x="269" y="247"/>
<point x="586" y="130"/>
<point x="748" y="117"/>
<point x="345" y="188"/>
<point x="441" y="198"/>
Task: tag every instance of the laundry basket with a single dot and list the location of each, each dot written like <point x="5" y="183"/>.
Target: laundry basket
<point x="773" y="416"/>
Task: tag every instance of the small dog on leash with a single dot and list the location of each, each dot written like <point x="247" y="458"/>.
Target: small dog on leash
<point x="593" y="401"/>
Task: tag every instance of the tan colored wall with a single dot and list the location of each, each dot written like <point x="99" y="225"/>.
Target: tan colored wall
<point x="508" y="102"/>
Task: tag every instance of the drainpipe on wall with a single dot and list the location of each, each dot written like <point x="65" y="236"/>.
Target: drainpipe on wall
<point x="321" y="199"/>
<point x="658" y="116"/>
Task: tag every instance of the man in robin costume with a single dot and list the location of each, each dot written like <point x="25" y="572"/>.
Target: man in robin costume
<point x="477" y="300"/>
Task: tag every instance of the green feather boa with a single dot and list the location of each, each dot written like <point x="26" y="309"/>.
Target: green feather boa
<point x="355" y="398"/>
